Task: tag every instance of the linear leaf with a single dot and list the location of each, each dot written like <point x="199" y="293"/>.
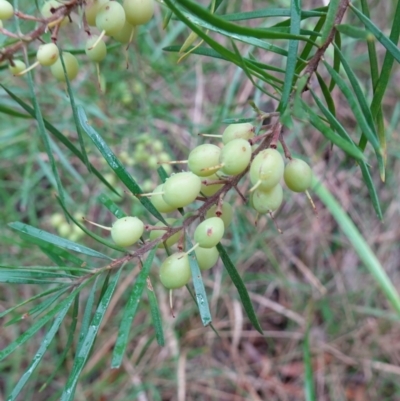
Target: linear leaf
<point x="309" y="388"/>
<point x="111" y="206"/>
<point x="11" y="112"/>
<point x="269" y="12"/>
<point x="336" y="58"/>
<point x="327" y="94"/>
<point x="330" y="20"/>
<point x="115" y="164"/>
<point x="155" y="314"/>
<point x="56" y="240"/>
<point x="292" y="55"/>
<point x="83" y="353"/>
<point x="354" y="32"/>
<point x="360" y="245"/>
<point x="239" y="284"/>
<point x="130" y="310"/>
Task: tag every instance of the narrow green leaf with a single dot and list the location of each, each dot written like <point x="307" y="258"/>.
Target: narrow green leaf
<point x="336" y="59"/>
<point x="162" y="174"/>
<point x="353" y="32"/>
<point x="130" y="310"/>
<point x="83" y="353"/>
<point x="111" y="206"/>
<point x="361" y="247"/>
<point x="56" y="240"/>
<point x="11" y="112"/>
<point x="388" y="43"/>
<point x="200" y="291"/>
<point x="343" y="144"/>
<point x="309" y="388"/>
<point x="40" y="352"/>
<point x="155" y="314"/>
<point x="239" y="284"/>
<point x="292" y="56"/>
<point x="75" y="114"/>
<point x="327" y="94"/>
<point x="330" y="20"/>
<point x="115" y="164"/>
<point x="238" y="120"/>
<point x="59" y="136"/>
<point x="269" y="12"/>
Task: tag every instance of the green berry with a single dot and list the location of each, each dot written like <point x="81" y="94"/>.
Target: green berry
<point x="64" y="229"/>
<point x="138" y="12"/>
<point x="91" y="9"/>
<point x="235" y="156"/>
<point x="97" y="53"/>
<point x="236" y="131"/>
<point x="159" y="202"/>
<point x="127" y="33"/>
<point x="18" y="67"/>
<point x="209" y="232"/>
<point x="181" y="189"/>
<point x="127" y="231"/>
<point x="71" y="67"/>
<point x="154" y="234"/>
<point x="226" y="213"/>
<point x="265" y="202"/>
<point x="110" y="18"/>
<point x="298" y="175"/>
<point x="57" y="219"/>
<point x="203" y="158"/>
<point x="52" y="5"/>
<point x="267" y="167"/>
<point x="175" y="271"/>
<point x="47" y="54"/>
<point x="206" y="257"/>
<point x="209" y="190"/>
<point x="6" y="10"/>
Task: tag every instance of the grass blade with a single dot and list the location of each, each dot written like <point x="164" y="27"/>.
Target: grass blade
<point x="56" y="240"/>
<point x="361" y="247"/>
<point x="292" y="55"/>
<point x="155" y="314"/>
<point x="309" y="388"/>
<point x="130" y="310"/>
<point x="115" y="164"/>
<point x="239" y="284"/>
<point x="83" y="353"/>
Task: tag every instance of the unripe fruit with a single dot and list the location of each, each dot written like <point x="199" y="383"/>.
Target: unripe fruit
<point x="206" y="257"/>
<point x="236" y="131"/>
<point x="127" y="33"/>
<point x="209" y="190"/>
<point x="71" y="67"/>
<point x="97" y="53"/>
<point x="47" y="54"/>
<point x="159" y="202"/>
<point x="175" y="271"/>
<point x="52" y="5"/>
<point x="6" y="10"/>
<point x="18" y="67"/>
<point x="154" y="234"/>
<point x="209" y="232"/>
<point x="110" y="18"/>
<point x="203" y="158"/>
<point x="268" y="167"/>
<point x="57" y="219"/>
<point x="64" y="229"/>
<point x="226" y="213"/>
<point x="91" y="9"/>
<point x="181" y="189"/>
<point x="265" y="202"/>
<point x="297" y="175"/>
<point x="138" y="12"/>
<point x="235" y="156"/>
<point x="127" y="231"/>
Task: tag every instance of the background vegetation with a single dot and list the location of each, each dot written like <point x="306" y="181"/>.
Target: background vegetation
<point x="329" y="332"/>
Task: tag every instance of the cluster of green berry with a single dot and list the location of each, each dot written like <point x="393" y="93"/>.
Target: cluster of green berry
<point x="213" y="171"/>
<point x="72" y="232"/>
<point x="119" y="21"/>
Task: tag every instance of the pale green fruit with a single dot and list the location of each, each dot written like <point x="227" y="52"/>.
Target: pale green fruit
<point x="159" y="202"/>
<point x="110" y="18"/>
<point x="209" y="190"/>
<point x="18" y="67"/>
<point x="50" y="5"/>
<point x="6" y="10"/>
<point x="64" y="230"/>
<point x="268" y="167"/>
<point x="71" y="67"/>
<point x="235" y="156"/>
<point x="298" y="175"/>
<point x="91" y="9"/>
<point x="226" y="213"/>
<point x="127" y="231"/>
<point x="97" y="53"/>
<point x="127" y="33"/>
<point x="57" y="219"/>
<point x="236" y="131"/>
<point x="181" y="189"/>
<point x="203" y="158"/>
<point x="175" y="271"/>
<point x="265" y="202"/>
<point x="138" y="12"/>
<point x="47" y="54"/>
<point x="154" y="234"/>
<point x="209" y="232"/>
<point x="206" y="257"/>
